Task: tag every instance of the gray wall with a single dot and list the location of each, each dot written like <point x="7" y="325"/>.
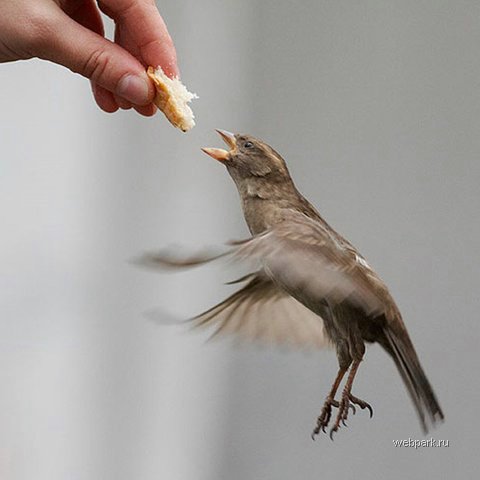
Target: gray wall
<point x="376" y="107"/>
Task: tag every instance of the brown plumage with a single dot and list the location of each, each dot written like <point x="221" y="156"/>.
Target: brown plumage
<point x="310" y="287"/>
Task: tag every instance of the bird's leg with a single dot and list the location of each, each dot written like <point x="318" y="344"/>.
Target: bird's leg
<point x="348" y="399"/>
<point x="326" y="413"/>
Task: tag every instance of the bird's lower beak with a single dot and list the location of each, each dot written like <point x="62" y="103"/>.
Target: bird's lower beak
<point x="219" y="153"/>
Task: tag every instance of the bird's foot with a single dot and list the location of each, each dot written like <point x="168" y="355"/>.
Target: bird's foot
<point x="342" y="414"/>
<point x="362" y="404"/>
<point x="325" y="415"/>
<point x="347" y="402"/>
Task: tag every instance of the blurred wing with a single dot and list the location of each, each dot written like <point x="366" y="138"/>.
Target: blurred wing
<point x="302" y="263"/>
<point x="262" y="312"/>
<point x="178" y="259"/>
<point x="314" y="265"/>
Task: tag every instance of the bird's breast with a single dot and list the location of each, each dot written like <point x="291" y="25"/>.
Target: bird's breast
<point x="261" y="214"/>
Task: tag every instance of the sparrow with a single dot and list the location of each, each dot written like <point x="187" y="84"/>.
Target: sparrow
<point x="309" y="286"/>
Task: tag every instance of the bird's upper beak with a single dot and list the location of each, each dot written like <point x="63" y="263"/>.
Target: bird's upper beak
<point x="219" y="153"/>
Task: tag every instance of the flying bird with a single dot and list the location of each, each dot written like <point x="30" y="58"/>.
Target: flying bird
<point x="310" y="287"/>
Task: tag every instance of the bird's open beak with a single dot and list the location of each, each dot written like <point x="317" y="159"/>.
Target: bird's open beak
<point x="219" y="153"/>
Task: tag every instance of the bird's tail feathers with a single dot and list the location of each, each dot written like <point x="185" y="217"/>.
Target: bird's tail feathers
<point x="401" y="349"/>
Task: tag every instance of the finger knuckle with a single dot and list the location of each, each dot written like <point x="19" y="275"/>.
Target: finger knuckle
<point x="96" y="65"/>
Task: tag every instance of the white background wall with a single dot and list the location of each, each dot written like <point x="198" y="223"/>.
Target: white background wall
<point x="375" y="105"/>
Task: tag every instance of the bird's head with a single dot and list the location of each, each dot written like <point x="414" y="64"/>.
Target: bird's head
<point x="260" y="174"/>
<point x="248" y="157"/>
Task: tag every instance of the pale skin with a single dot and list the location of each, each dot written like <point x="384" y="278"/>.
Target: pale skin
<point x="71" y="33"/>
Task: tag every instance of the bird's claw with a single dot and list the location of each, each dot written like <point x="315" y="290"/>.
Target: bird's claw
<point x="344" y="407"/>
<point x="362" y="404"/>
<point x="332" y="431"/>
<point x="324" y="417"/>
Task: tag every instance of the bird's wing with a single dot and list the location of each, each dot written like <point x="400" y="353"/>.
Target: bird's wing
<point x="262" y="312"/>
<point x="314" y="265"/>
<point x="304" y="265"/>
<point x="174" y="259"/>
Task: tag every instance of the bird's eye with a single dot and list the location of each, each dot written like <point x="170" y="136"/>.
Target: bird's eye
<point x="248" y="145"/>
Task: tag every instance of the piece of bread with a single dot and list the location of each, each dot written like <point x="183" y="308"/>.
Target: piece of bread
<point x="172" y="99"/>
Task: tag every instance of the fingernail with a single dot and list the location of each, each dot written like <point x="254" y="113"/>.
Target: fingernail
<point x="134" y="89"/>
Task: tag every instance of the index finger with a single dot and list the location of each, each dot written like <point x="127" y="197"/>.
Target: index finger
<point x="146" y="29"/>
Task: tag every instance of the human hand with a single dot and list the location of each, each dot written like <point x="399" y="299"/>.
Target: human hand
<point x="71" y="33"/>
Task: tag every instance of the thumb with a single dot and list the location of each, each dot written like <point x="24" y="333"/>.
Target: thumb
<point x="93" y="56"/>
